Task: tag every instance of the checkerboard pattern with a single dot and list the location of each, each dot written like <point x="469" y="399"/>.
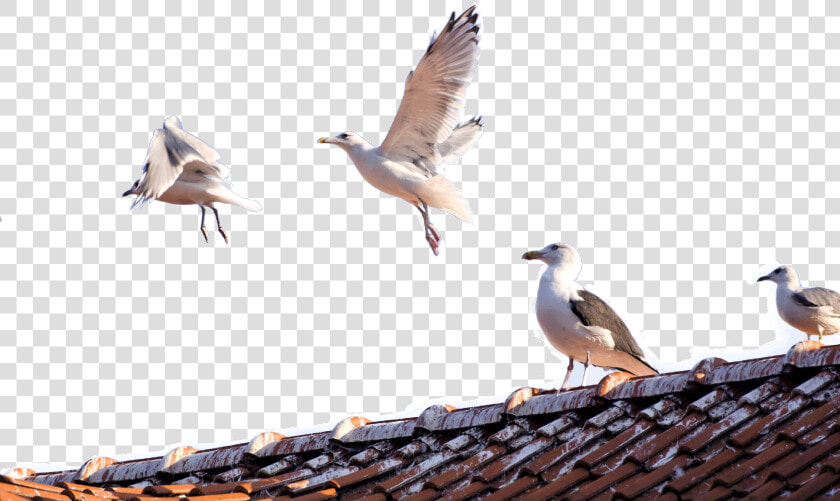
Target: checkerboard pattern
<point x="678" y="145"/>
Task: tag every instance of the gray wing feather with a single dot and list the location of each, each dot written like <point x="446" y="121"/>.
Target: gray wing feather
<point x="815" y="297"/>
<point x="594" y="312"/>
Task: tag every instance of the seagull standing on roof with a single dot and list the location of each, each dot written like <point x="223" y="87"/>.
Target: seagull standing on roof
<point x="815" y="310"/>
<point x="577" y="322"/>
<point x="182" y="169"/>
<point x="425" y="132"/>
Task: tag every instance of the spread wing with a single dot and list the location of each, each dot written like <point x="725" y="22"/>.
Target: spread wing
<point x="434" y="94"/>
<point x="594" y="312"/>
<point x="170" y="149"/>
<point x="816" y="297"/>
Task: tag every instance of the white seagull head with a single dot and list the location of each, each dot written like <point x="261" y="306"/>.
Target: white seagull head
<point x="345" y="140"/>
<point x="566" y="257"/>
<point x="782" y="274"/>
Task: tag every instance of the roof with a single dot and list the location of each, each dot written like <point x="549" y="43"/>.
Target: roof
<point x="766" y="428"/>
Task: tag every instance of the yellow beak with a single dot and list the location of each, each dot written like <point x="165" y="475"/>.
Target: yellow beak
<point x="532" y="255"/>
<point x="324" y="140"/>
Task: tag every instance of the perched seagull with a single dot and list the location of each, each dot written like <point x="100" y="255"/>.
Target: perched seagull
<point x="425" y="132"/>
<point x="815" y="310"/>
<point x="182" y="169"/>
<point x="577" y="322"/>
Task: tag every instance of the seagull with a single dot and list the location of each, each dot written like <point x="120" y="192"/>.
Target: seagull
<point x="182" y="169"/>
<point x="814" y="310"/>
<point x="578" y="323"/>
<point x="425" y="132"/>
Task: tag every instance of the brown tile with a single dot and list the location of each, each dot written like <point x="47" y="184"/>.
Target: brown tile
<point x="318" y="495"/>
<point x="644" y="483"/>
<point x="513" y="489"/>
<point x="654" y="386"/>
<point x="708" y="400"/>
<point x="169" y="490"/>
<point x="468" y="418"/>
<point x="465" y="492"/>
<point x="212" y="489"/>
<point x="273" y="482"/>
<point x="466" y="467"/>
<point x="551" y="457"/>
<point x="208" y="460"/>
<point x="553" y="489"/>
<point x="658" y="441"/>
<point x="10" y="496"/>
<point x="509" y="461"/>
<point x="424" y="495"/>
<point x="808" y="420"/>
<point x="419" y="470"/>
<point x="232" y="496"/>
<point x="29" y="492"/>
<point x="318" y="481"/>
<point x="617" y="443"/>
<point x="770" y="421"/>
<point x="32" y="485"/>
<point x="701" y="472"/>
<point x="823" y="481"/>
<point x="366" y="474"/>
<point x="595" y="487"/>
<point x="718" y="429"/>
<point x="805" y="476"/>
<point x="756" y="463"/>
<point x="378" y="496"/>
<point x="809" y="456"/>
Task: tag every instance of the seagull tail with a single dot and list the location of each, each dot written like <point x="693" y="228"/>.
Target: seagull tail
<point x="441" y="193"/>
<point x="248" y="204"/>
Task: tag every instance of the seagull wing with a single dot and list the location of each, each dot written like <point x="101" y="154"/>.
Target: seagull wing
<point x="434" y="94"/>
<point x="210" y="154"/>
<point x="461" y="139"/>
<point x="168" y="153"/>
<point x="816" y="297"/>
<point x="594" y="312"/>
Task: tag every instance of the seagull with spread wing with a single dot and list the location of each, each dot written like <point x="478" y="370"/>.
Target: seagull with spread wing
<point x="182" y="169"/>
<point x="578" y="323"/>
<point x="813" y="310"/>
<point x="425" y="132"/>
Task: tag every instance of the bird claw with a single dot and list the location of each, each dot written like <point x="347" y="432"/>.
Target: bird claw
<point x="433" y="237"/>
<point x="223" y="235"/>
<point x="204" y="232"/>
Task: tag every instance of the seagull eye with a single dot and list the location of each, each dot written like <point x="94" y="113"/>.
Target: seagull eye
<point x="555" y="247"/>
<point x="343" y="136"/>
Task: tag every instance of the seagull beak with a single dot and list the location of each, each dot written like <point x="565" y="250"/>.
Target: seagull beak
<point x="127" y="193"/>
<point x="532" y="255"/>
<point x="761" y="279"/>
<point x="326" y="140"/>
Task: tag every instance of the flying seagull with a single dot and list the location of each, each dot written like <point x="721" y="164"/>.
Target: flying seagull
<point x="577" y="322"/>
<point x="815" y="310"/>
<point x="182" y="169"/>
<point x="425" y="132"/>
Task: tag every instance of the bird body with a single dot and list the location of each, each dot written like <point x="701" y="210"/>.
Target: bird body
<point x="181" y="169"/>
<point x="425" y="132"/>
<point x="578" y="323"/>
<point x="814" y="310"/>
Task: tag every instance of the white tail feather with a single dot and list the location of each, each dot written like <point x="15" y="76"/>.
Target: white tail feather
<point x="441" y="193"/>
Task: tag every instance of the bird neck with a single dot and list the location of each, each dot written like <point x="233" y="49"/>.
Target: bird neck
<point x="559" y="275"/>
<point x="789" y="286"/>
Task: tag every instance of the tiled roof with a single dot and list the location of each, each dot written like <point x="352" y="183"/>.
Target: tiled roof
<point x="762" y="429"/>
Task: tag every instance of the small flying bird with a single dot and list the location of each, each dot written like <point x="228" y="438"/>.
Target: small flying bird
<point x="577" y="322"/>
<point x="182" y="169"/>
<point x="425" y="132"/>
<point x="814" y="310"/>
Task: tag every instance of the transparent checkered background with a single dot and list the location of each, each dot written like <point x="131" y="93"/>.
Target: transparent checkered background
<point x="678" y="149"/>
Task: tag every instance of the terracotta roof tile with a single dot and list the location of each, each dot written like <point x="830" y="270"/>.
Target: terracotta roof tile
<point x="757" y="428"/>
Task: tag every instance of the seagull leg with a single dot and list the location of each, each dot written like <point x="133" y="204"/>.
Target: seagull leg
<point x="432" y="235"/>
<point x="568" y="373"/>
<point x="585" y="369"/>
<point x="821" y="335"/>
<point x="203" y="229"/>
<point x="219" y="224"/>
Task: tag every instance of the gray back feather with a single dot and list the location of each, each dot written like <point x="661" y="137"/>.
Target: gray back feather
<point x="815" y="297"/>
<point x="594" y="312"/>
